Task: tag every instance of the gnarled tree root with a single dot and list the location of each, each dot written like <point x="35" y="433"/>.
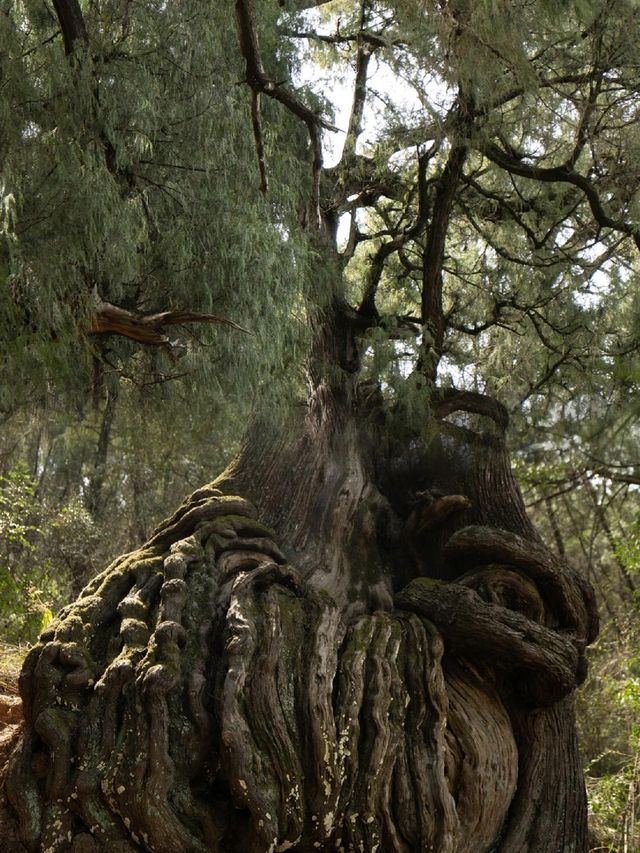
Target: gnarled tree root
<point x="199" y="696"/>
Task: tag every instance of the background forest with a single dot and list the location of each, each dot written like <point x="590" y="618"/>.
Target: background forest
<point x="104" y="431"/>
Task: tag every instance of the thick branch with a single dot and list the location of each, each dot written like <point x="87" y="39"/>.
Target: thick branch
<point x="260" y="82"/>
<point x="300" y="5"/>
<point x="580" y="77"/>
<point x="376" y="267"/>
<point x="71" y="23"/>
<point x="562" y="174"/>
<point x="432" y="312"/>
<point x="147" y="329"/>
<point x="461" y="118"/>
<point x="372" y="38"/>
<point x="449" y="400"/>
<point x="543" y="665"/>
<point x="563" y="589"/>
<point x="360" y="182"/>
<point x="631" y="479"/>
<point x="359" y="97"/>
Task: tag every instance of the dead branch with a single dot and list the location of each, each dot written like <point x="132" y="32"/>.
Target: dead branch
<point x="147" y="329"/>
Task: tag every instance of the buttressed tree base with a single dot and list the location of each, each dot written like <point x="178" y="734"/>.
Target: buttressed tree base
<point x="325" y="649"/>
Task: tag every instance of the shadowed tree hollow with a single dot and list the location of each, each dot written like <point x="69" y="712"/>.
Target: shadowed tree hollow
<point x="353" y="639"/>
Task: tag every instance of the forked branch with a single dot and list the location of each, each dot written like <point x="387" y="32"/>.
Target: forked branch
<point x="260" y="83"/>
<point x="564" y="173"/>
<point x="147" y="329"/>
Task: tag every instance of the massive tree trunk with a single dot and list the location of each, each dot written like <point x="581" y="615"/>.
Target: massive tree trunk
<point x="346" y="642"/>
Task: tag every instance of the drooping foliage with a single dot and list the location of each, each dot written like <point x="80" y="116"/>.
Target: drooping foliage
<point x="128" y="180"/>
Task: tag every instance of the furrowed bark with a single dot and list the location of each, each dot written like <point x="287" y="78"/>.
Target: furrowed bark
<point x="565" y="590"/>
<point x="306" y="747"/>
<point x="346" y="642"/>
<point x="538" y="662"/>
<point x="244" y="682"/>
<point x="234" y="686"/>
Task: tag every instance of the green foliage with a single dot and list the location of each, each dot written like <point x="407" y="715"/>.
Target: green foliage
<point x="38" y="545"/>
<point x="592" y="521"/>
<point x="608" y="712"/>
<point x="628" y="549"/>
<point x="66" y="512"/>
<point x="129" y="176"/>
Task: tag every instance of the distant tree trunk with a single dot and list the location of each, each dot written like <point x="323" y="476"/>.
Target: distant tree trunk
<point x="344" y="643"/>
<point x="95" y="487"/>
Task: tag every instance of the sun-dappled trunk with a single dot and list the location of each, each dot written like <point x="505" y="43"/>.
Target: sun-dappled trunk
<point x="343" y="643"/>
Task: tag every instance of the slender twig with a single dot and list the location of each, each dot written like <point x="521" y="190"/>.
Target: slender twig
<point x="256" y="122"/>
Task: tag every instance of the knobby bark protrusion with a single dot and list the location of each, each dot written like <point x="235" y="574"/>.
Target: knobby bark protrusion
<point x="200" y="692"/>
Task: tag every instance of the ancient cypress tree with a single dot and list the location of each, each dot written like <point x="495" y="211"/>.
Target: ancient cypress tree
<point x="354" y="638"/>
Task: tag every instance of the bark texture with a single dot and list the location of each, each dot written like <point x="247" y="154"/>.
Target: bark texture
<point x="336" y="646"/>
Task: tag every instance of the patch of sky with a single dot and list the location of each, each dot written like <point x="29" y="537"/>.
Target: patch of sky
<point x="598" y="276"/>
<point x="412" y="97"/>
<point x="31" y="130"/>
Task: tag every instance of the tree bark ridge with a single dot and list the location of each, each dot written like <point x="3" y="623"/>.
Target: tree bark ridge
<point x="243" y="682"/>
